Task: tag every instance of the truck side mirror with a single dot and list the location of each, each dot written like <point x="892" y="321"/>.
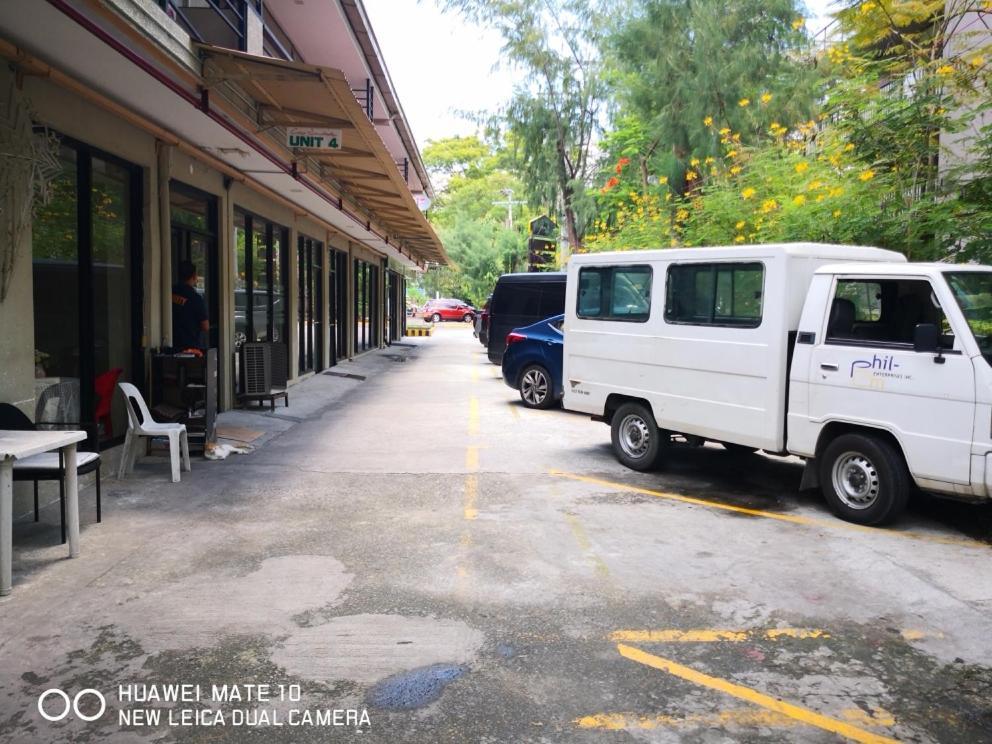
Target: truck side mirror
<point x="926" y="338"/>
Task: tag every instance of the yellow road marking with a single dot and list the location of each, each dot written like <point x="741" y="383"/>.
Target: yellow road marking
<point x="578" y="531"/>
<point x="475" y="374"/>
<point x="911" y="634"/>
<point x="835" y="524"/>
<point x="732" y="717"/>
<point x="711" y="635"/>
<point x="875" y="717"/>
<point x="514" y="412"/>
<point x="473" y="416"/>
<point x="472" y="458"/>
<point x="741" y="717"/>
<point x="471" y="495"/>
<point x="803" y="715"/>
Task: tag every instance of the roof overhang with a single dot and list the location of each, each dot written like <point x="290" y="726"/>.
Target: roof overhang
<point x="293" y="94"/>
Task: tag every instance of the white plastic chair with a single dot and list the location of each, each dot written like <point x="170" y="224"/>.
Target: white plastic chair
<point x="146" y="426"/>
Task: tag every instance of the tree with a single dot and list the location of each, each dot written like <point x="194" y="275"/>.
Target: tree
<point x="685" y="69"/>
<point x="470" y="222"/>
<point x="456" y="155"/>
<point x="551" y="121"/>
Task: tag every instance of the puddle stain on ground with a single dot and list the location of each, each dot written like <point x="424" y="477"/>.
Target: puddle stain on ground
<point x="415" y="688"/>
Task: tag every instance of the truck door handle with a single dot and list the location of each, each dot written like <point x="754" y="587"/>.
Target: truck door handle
<point x="829" y="367"/>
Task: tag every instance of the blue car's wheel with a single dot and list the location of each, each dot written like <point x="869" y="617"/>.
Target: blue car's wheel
<point x="536" y="390"/>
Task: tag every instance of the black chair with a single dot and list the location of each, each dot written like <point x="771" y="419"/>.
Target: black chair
<point x="49" y="465"/>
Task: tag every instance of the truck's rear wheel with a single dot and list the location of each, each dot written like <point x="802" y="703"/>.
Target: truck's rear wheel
<point x="637" y="442"/>
<point x="864" y="479"/>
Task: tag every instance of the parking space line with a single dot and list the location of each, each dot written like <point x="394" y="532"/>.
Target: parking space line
<point x="736" y="716"/>
<point x="579" y="532"/>
<point x="473" y="416"/>
<point x="470" y="510"/>
<point x="472" y="458"/>
<point x="835" y="524"/>
<point x="731" y="717"/>
<point x="712" y="635"/>
<point x="803" y="715"/>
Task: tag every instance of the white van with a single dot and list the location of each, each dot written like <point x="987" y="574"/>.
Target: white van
<point x="874" y="370"/>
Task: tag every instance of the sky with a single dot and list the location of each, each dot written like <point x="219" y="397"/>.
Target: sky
<point x="441" y="65"/>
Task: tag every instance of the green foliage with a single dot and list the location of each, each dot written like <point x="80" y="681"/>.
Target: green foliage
<point x="471" y="217"/>
<point x="871" y="168"/>
<point x="682" y="69"/>
<point x="552" y="120"/>
<point x="450" y="155"/>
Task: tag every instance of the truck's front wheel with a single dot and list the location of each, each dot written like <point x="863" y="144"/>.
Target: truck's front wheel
<point x="637" y="442"/>
<point x="864" y="479"/>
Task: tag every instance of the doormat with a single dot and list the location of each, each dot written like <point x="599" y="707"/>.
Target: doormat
<point x="348" y="375"/>
<point x="238" y="433"/>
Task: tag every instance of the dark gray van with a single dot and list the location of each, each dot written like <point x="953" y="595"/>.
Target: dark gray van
<point x="522" y="299"/>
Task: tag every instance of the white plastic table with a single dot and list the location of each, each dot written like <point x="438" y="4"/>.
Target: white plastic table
<point x="16" y="445"/>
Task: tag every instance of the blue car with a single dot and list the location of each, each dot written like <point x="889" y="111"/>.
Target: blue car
<point x="532" y="362"/>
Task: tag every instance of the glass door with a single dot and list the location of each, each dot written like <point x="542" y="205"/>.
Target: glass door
<point x="86" y="262"/>
<point x="260" y="292"/>
<point x="194" y="239"/>
<point x="309" y="252"/>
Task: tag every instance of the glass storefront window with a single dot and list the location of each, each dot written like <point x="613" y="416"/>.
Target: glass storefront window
<point x="260" y="292"/>
<point x="110" y="207"/>
<point x="194" y="238"/>
<point x="55" y="252"/>
<point x="260" y="284"/>
<point x="279" y="294"/>
<point x="310" y="300"/>
<point x="87" y="311"/>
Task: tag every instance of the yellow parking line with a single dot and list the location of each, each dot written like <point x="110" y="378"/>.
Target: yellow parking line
<point x="578" y="531"/>
<point x="471" y="496"/>
<point x="711" y="635"/>
<point x="732" y="717"/>
<point x="803" y="715"/>
<point x="739" y="717"/>
<point x="912" y="634"/>
<point x="473" y="416"/>
<point x="836" y="524"/>
<point x="472" y="458"/>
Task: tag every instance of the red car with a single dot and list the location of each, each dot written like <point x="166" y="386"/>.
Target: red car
<point x="438" y="310"/>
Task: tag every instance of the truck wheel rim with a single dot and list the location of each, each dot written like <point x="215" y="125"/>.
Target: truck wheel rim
<point x="855" y="480"/>
<point x="534" y="387"/>
<point x="635" y="436"/>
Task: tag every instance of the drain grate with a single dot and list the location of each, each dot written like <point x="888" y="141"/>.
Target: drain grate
<point x="405" y="346"/>
<point x="347" y="375"/>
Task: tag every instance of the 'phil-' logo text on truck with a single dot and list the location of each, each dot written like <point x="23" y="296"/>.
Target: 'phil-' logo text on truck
<point x="885" y="365"/>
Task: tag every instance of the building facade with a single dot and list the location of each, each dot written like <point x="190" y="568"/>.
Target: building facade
<point x="168" y="130"/>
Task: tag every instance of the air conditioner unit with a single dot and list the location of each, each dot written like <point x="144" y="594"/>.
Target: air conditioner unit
<point x="256" y="369"/>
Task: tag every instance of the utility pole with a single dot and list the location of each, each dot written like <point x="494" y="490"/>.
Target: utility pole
<point x="508" y="193"/>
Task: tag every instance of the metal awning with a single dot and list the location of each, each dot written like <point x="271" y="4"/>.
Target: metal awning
<point x="293" y="94"/>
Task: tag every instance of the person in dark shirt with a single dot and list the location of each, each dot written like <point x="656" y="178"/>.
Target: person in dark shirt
<point x="190" y="321"/>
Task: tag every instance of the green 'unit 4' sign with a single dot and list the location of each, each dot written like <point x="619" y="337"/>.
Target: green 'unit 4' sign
<point x="300" y="138"/>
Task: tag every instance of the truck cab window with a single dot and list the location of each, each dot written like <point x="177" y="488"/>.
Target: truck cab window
<point x="870" y="312"/>
<point x="973" y="293"/>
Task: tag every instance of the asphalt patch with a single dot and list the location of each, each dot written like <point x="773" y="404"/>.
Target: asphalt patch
<point x="415" y="688"/>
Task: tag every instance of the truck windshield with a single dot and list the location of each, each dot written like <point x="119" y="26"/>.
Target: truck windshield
<point x="973" y="292"/>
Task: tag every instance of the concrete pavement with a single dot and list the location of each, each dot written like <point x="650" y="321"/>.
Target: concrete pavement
<point x="420" y="549"/>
